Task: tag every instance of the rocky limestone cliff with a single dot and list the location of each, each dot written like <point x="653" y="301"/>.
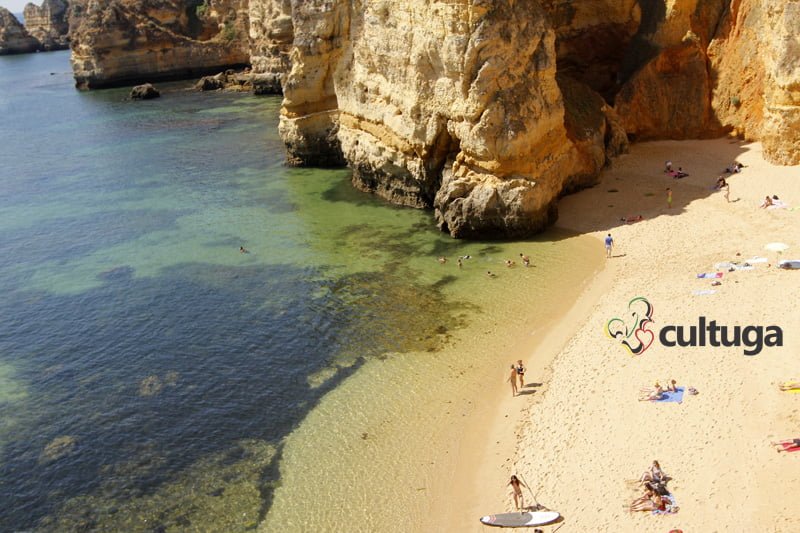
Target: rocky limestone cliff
<point x="121" y="42"/>
<point x="755" y="64"/>
<point x="713" y="66"/>
<point x="271" y="36"/>
<point x="14" y="39"/>
<point x="450" y="105"/>
<point x="48" y="24"/>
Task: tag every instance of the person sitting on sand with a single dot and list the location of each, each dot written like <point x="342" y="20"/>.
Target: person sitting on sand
<point x="490" y="274"/>
<point x="679" y="173"/>
<point x="631" y="219"/>
<point x="525" y="260"/>
<point x="789" y="445"/>
<point x="652" y="394"/>
<point x="519" y="499"/>
<point x="654" y="474"/>
<point x="509" y="263"/>
<point x="672" y="386"/>
<point x="668" y="166"/>
<point x="766" y="203"/>
<point x="722" y="185"/>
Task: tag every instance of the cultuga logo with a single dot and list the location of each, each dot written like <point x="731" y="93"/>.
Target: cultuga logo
<point x="633" y="334"/>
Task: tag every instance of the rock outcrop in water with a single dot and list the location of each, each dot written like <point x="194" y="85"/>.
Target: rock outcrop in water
<point x="49" y="24"/>
<point x="489" y="111"/>
<point x="484" y="110"/>
<point x="14" y="38"/>
<point x="452" y="106"/>
<point x="120" y="42"/>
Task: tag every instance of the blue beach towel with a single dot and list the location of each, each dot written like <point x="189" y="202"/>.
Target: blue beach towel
<point x="668" y="396"/>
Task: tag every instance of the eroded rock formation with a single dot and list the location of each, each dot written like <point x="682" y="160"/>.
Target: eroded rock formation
<point x="14" y="39"/>
<point x="755" y="64"/>
<point x="119" y="42"/>
<point x="271" y="36"/>
<point x="451" y="105"/>
<point x="48" y="24"/>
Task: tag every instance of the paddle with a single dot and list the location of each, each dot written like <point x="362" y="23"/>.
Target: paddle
<point x="529" y="490"/>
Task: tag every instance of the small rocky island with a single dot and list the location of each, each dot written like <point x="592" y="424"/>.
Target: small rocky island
<point x="46" y="28"/>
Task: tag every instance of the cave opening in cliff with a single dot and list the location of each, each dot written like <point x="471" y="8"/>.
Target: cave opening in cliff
<point x="604" y="50"/>
<point x="444" y="150"/>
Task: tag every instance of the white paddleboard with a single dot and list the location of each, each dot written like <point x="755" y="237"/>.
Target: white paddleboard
<point x="538" y="518"/>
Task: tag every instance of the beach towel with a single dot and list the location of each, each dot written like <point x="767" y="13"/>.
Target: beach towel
<point x="708" y="275"/>
<point x="754" y="260"/>
<point x="703" y="292"/>
<point x="778" y="204"/>
<point x="669" y="396"/>
<point x="727" y="265"/>
<point x="790" y="447"/>
<point x="672" y="506"/>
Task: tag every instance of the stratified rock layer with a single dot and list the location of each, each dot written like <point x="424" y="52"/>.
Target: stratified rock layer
<point x="447" y="105"/>
<point x="271" y="36"/>
<point x="48" y="24"/>
<point x="120" y="42"/>
<point x="14" y="39"/>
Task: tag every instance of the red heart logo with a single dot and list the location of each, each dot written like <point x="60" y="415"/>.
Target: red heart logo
<point x="645" y="337"/>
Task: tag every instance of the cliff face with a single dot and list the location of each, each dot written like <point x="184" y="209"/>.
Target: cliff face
<point x="755" y="64"/>
<point x="448" y="105"/>
<point x="48" y="24"/>
<point x="14" y="39"/>
<point x="271" y="36"/>
<point x="718" y="66"/>
<point x="120" y="42"/>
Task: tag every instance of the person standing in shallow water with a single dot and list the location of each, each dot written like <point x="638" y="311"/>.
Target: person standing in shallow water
<point x="513" y="380"/>
<point x="669" y="198"/>
<point x="609" y="245"/>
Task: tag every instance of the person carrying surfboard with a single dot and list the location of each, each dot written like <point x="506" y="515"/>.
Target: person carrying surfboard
<point x="516" y="486"/>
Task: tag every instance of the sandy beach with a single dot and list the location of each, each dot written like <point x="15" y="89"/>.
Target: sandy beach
<point x="583" y="438"/>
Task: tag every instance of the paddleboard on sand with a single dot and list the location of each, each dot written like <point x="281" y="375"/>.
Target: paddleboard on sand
<point x="789" y="263"/>
<point x="538" y="518"/>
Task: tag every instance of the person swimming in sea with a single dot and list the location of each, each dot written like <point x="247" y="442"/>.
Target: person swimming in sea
<point x="243" y="250"/>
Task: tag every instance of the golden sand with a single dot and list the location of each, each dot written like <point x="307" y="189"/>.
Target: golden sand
<point x="581" y="442"/>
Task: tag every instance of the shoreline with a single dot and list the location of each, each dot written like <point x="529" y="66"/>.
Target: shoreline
<point x="586" y="436"/>
<point x="494" y="456"/>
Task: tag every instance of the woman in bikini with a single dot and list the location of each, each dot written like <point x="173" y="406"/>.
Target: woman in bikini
<point x="516" y="486"/>
<point x="789" y="445"/>
<point x="654" y="474"/>
<point x="652" y="394"/>
<point x="520" y="368"/>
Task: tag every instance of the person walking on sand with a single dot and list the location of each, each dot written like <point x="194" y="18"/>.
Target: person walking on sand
<point x="516" y="486"/>
<point x="512" y="378"/>
<point x="609" y="245"/>
<point x="520" y="368"/>
<point x="669" y="198"/>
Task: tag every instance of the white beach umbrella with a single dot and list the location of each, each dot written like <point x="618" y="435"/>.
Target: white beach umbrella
<point x="776" y="247"/>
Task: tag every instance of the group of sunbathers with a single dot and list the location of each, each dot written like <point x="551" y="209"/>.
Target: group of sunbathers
<point x="676" y="174"/>
<point x="656" y="496"/>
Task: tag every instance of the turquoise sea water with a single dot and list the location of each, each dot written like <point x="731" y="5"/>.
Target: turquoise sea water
<point x="150" y="373"/>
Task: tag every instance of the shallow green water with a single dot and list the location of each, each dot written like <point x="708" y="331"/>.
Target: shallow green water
<point x="150" y="373"/>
